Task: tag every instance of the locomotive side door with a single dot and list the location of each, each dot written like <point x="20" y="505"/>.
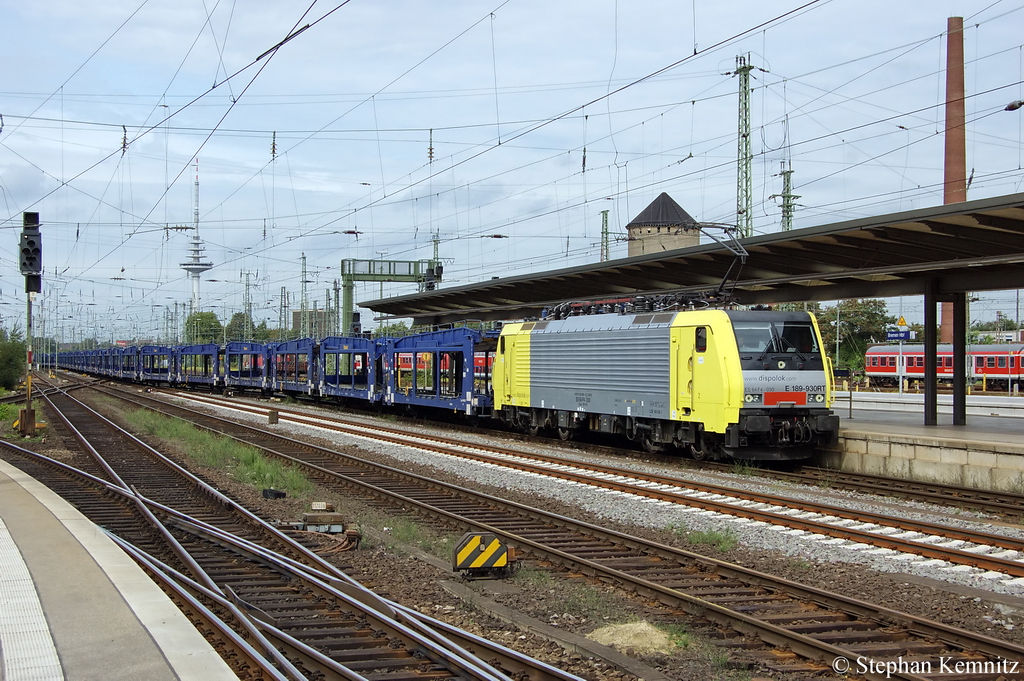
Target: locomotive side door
<point x="684" y="360"/>
<point x="703" y="362"/>
<point x="710" y="390"/>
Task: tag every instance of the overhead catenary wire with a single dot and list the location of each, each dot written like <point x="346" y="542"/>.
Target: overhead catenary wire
<point x="636" y="182"/>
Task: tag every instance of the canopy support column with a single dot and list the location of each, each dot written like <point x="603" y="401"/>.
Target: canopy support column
<point x="931" y="392"/>
<point x="959" y="359"/>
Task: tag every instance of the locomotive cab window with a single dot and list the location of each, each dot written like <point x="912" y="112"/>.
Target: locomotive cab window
<point x="761" y="337"/>
<point x="752" y="337"/>
<point x="700" y="339"/>
<point x="797" y="337"/>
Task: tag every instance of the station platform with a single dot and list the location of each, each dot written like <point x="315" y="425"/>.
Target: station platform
<point x="995" y="426"/>
<point x="987" y="452"/>
<point x="74" y="606"/>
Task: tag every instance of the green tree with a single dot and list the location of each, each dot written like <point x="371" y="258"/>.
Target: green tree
<point x="203" y="327"/>
<point x="261" y="333"/>
<point x="236" y="328"/>
<point x="12" y="358"/>
<point x="394" y="330"/>
<point x="861" y="322"/>
<point x="989" y="333"/>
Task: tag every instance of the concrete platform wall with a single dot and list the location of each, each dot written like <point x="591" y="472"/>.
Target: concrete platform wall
<point x="986" y="465"/>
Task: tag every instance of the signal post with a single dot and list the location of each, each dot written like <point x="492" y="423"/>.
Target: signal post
<point x="31" y="265"/>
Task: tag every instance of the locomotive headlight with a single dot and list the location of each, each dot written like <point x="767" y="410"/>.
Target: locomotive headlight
<point x="752" y="398"/>
<point x="818" y="398"/>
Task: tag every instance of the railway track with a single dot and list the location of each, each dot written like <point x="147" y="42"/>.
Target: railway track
<point x="996" y="503"/>
<point x="1005" y="504"/>
<point x="968" y="498"/>
<point x="330" y="626"/>
<point x="803" y="627"/>
<point x="998" y="556"/>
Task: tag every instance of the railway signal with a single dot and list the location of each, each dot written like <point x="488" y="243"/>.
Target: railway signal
<point x="31" y="265"/>
<point x="31" y="253"/>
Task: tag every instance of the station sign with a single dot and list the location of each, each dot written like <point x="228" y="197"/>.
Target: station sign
<point x="897" y="335"/>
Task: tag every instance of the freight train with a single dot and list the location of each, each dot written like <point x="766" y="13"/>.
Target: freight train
<point x="714" y="383"/>
<point x="1000" y="366"/>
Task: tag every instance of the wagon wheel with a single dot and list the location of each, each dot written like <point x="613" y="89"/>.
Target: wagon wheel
<point x="534" y="431"/>
<point x="566" y="434"/>
<point x="710" y="447"/>
<point x="651" y="446"/>
<point x="698" y="454"/>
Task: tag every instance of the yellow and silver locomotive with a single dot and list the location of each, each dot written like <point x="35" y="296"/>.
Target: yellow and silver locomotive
<point x="736" y="383"/>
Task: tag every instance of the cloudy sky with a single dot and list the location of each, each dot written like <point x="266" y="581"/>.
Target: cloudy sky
<point x="540" y="115"/>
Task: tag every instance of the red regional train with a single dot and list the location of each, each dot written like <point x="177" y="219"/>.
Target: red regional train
<point x="1001" y="367"/>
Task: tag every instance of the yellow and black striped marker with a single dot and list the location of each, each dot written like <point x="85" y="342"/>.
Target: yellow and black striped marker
<point x="480" y="551"/>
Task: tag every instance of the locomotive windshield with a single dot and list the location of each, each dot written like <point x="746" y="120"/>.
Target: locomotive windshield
<point x="764" y="337"/>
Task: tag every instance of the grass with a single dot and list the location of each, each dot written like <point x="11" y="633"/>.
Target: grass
<point x="575" y="598"/>
<point x="533" y="577"/>
<point x="247" y="464"/>
<point x="681" y="638"/>
<point x="744" y="467"/>
<point x="8" y="411"/>
<point x="723" y="540"/>
<point x="9" y="414"/>
<point x="408" y="531"/>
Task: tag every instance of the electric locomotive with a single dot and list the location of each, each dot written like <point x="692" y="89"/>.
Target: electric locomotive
<point x="720" y="383"/>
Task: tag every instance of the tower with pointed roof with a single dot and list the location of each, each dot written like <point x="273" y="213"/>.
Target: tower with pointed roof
<point x="662" y="226"/>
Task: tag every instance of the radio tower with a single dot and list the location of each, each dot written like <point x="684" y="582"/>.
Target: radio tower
<point x="196" y="263"/>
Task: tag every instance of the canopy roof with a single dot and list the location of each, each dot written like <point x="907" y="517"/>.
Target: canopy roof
<point x="970" y="246"/>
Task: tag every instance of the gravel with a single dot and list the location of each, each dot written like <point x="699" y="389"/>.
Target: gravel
<point x="928" y="592"/>
<point x="616" y="507"/>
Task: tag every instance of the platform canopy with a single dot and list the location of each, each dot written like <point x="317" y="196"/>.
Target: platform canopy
<point x="970" y="246"/>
